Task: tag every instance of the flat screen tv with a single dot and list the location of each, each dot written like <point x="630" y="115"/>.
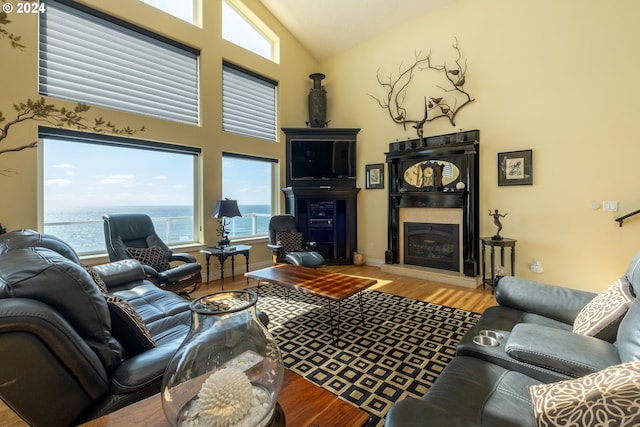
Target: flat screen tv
<point x="317" y="160"/>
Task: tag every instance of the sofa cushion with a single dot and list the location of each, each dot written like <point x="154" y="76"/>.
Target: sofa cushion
<point x="601" y="317"/>
<point x="154" y="257"/>
<point x="290" y="241"/>
<point x="128" y="327"/>
<point x="469" y="392"/>
<point x="607" y="397"/>
<point x="628" y="341"/>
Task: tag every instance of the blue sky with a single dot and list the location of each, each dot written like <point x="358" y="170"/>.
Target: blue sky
<point x="247" y="181"/>
<point x="80" y="175"/>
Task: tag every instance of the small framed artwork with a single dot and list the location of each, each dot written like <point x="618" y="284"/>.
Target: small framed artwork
<point x="515" y="168"/>
<point x="375" y="176"/>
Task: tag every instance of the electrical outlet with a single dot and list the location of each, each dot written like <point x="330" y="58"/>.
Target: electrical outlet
<point x="610" y="206"/>
<point x="536" y="266"/>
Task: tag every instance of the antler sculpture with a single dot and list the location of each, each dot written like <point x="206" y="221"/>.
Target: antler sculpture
<point x="396" y="88"/>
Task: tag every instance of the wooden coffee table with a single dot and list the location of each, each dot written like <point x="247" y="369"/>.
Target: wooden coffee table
<point x="304" y="404"/>
<point x="334" y="287"/>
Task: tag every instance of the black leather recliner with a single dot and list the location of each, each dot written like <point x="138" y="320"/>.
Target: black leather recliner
<point x="287" y="246"/>
<point x="125" y="233"/>
<point x="62" y="361"/>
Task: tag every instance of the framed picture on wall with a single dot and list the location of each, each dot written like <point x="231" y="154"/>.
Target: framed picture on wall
<point x="375" y="176"/>
<point x="515" y="168"/>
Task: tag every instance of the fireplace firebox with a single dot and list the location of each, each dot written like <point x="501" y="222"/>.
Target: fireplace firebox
<point x="432" y="245"/>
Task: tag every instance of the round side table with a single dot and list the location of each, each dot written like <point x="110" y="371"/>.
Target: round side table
<point x="503" y="243"/>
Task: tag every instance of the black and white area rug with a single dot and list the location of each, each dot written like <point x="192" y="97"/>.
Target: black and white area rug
<point x="398" y="353"/>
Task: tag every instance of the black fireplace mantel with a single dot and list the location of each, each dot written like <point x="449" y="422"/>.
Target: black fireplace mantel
<point x="461" y="149"/>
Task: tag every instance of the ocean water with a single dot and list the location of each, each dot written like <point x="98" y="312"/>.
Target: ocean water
<point x="83" y="228"/>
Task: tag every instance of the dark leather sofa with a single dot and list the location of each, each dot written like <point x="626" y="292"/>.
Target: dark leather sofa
<point x="533" y="329"/>
<point x="64" y="360"/>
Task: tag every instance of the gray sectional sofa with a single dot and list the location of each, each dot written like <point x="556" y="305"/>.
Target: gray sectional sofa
<point x="544" y="355"/>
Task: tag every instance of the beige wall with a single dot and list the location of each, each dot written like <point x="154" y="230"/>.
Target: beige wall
<point x="19" y="208"/>
<point x="554" y="76"/>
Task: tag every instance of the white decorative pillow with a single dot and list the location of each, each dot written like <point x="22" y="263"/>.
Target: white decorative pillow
<point x="610" y="397"/>
<point x="601" y="317"/>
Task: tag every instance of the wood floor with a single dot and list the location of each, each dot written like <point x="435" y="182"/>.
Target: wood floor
<point x="453" y="296"/>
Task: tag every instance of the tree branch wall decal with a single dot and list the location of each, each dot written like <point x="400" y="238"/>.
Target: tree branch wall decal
<point x="449" y="101"/>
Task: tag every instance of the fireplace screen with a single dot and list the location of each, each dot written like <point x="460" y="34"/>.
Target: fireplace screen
<point x="432" y="245"/>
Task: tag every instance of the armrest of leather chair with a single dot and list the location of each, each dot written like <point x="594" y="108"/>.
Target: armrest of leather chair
<point x="43" y="360"/>
<point x="184" y="257"/>
<point x="309" y="246"/>
<point x="277" y="252"/>
<point x="572" y="354"/>
<point x="554" y="302"/>
<point x="120" y="273"/>
<point x="179" y="272"/>
<point x="412" y="412"/>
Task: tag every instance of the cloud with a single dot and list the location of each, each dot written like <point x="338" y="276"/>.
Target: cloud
<point x="161" y="177"/>
<point x="64" y="166"/>
<point x="58" y="182"/>
<point x="123" y="179"/>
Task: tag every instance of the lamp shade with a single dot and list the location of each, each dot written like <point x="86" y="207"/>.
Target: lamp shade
<point x="226" y="208"/>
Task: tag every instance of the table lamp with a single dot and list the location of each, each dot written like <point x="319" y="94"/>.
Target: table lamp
<point x="225" y="209"/>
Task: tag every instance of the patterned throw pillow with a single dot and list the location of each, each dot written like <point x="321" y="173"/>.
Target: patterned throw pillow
<point x="154" y="257"/>
<point x="610" y="397"/>
<point x="128" y="327"/>
<point x="126" y="324"/>
<point x="601" y="317"/>
<point x="292" y="242"/>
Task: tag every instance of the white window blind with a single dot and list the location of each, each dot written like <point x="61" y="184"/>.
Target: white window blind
<point x="248" y="103"/>
<point x="92" y="58"/>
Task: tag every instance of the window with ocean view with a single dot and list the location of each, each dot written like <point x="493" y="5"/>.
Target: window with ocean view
<point x="86" y="176"/>
<point x="250" y="181"/>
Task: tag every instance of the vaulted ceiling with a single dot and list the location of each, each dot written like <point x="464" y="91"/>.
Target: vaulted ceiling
<point x="328" y="27"/>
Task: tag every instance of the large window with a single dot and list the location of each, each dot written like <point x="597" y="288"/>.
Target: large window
<point x="248" y="103"/>
<point x="241" y="27"/>
<point x="250" y="181"/>
<point x="86" y="176"/>
<point x="93" y="58"/>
